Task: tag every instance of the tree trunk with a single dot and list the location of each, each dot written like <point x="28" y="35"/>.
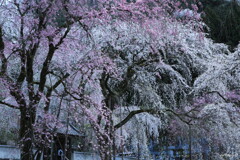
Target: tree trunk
<point x="104" y="152"/>
<point x="105" y="144"/>
<point x="105" y="156"/>
<point x="26" y="132"/>
<point x="113" y="147"/>
<point x="105" y="147"/>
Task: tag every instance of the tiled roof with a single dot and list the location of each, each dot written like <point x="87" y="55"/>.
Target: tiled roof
<point x="69" y="130"/>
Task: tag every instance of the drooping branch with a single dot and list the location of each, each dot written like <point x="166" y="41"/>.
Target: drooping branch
<point x="133" y="113"/>
<point x="181" y="115"/>
<point x="130" y="115"/>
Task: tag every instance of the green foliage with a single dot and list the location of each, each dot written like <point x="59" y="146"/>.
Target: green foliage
<point x="223" y="21"/>
<point x="212" y="3"/>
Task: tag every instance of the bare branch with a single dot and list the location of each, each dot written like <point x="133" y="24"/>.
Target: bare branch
<point x="9" y="105"/>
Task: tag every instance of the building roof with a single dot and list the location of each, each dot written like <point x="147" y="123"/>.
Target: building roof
<point x="69" y="130"/>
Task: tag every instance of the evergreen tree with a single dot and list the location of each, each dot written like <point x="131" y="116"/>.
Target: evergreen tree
<point x="223" y="21"/>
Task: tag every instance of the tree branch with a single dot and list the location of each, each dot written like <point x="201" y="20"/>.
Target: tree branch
<point x="48" y="60"/>
<point x="219" y="94"/>
<point x="2" y="56"/>
<point x="63" y="37"/>
<point x="179" y="115"/>
<point x="57" y="84"/>
<point x="49" y="92"/>
<point x="130" y="115"/>
<point x="9" y="105"/>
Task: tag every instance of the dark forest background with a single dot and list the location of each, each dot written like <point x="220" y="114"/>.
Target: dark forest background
<point x="223" y="21"/>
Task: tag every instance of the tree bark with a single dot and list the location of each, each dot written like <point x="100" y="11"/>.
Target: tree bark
<point x="103" y="146"/>
<point x="26" y="133"/>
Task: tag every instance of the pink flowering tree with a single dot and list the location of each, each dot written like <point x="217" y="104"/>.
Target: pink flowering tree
<point x="35" y="36"/>
<point x="123" y="70"/>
